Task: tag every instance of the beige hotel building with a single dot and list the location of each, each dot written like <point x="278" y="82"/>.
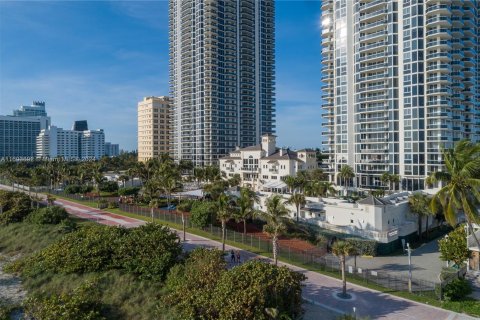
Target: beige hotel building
<point x="153" y="127"/>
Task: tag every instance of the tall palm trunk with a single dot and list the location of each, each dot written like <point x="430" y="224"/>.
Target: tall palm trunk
<point x="245" y="226"/>
<point x="151" y="213"/>
<point x="275" y="248"/>
<point x="298" y="212"/>
<point x="224" y="223"/>
<point x="183" y="226"/>
<point x="344" y="280"/>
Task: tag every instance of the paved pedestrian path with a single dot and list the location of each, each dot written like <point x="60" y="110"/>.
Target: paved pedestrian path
<point x="320" y="290"/>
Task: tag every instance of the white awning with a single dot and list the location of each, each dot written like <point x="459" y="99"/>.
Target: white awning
<point x="275" y="185"/>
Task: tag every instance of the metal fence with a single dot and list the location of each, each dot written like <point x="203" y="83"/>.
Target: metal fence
<point x="308" y="258"/>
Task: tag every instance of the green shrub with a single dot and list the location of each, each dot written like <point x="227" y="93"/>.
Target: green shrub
<point x="102" y="204"/>
<point x="112" y="205"/>
<point x="16" y="206"/>
<point x="363" y="247"/>
<point x="108" y="186"/>
<point x="192" y="286"/>
<point x="128" y="191"/>
<point x="74" y="189"/>
<point x="249" y="290"/>
<point x="149" y="251"/>
<point x="204" y="289"/>
<point x="457" y="290"/>
<point x="90" y="248"/>
<point x="454" y="247"/>
<point x="186" y="205"/>
<point x="48" y="215"/>
<point x="80" y="304"/>
<point x="202" y="213"/>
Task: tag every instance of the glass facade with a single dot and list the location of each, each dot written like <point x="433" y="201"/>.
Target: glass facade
<point x="221" y="76"/>
<point x="415" y="83"/>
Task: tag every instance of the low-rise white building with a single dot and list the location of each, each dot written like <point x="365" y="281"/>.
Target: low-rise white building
<point x="263" y="166"/>
<point x="384" y="220"/>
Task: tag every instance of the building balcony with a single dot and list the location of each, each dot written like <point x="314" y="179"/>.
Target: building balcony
<point x="442" y="33"/>
<point x="367" y="17"/>
<point x="440" y="56"/>
<point x="373" y="26"/>
<point x="437" y="9"/>
<point x="439" y="44"/>
<point x="370" y="6"/>
<point x="442" y="21"/>
<point x="380" y="56"/>
<point x="441" y="79"/>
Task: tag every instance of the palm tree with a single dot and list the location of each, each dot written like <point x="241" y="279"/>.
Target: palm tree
<point x="418" y="203"/>
<point x="291" y="182"/>
<point x="235" y="180"/>
<point x="169" y="185"/>
<point x="385" y="179"/>
<point x="199" y="175"/>
<point x="225" y="211"/>
<point x="346" y="173"/>
<point x="124" y="178"/>
<point x="342" y="249"/>
<point x="275" y="217"/>
<point x="153" y="204"/>
<point x="460" y="191"/>
<point x="298" y="200"/>
<point x="184" y="205"/>
<point x="394" y="179"/>
<point x="245" y="206"/>
<point x="324" y="188"/>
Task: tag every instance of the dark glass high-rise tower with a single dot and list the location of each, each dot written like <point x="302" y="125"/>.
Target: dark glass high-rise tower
<point x="222" y="75"/>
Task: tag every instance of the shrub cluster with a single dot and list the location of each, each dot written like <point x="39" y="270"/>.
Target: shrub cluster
<point x="363" y="247"/>
<point x="202" y="212"/>
<point x="148" y="251"/>
<point x="457" y="290"/>
<point x="48" y="215"/>
<point x="108" y="186"/>
<point x="80" y="304"/>
<point x="203" y="288"/>
<point x="74" y="189"/>
<point x="128" y="191"/>
<point x="15" y="206"/>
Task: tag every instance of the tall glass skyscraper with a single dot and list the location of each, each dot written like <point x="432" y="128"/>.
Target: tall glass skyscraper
<point x="222" y="75"/>
<point x="401" y="81"/>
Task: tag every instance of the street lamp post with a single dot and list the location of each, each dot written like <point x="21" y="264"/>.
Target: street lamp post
<point x="409" y="251"/>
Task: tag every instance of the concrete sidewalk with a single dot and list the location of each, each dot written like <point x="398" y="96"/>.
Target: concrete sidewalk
<point x="319" y="289"/>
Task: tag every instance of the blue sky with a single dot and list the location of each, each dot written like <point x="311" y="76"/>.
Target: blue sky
<point x="95" y="60"/>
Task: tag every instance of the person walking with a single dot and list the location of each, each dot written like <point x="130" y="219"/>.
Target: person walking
<point x="238" y="256"/>
<point x="232" y="256"/>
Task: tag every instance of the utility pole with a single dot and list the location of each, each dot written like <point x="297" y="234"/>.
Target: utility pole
<point x="409" y="251"/>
